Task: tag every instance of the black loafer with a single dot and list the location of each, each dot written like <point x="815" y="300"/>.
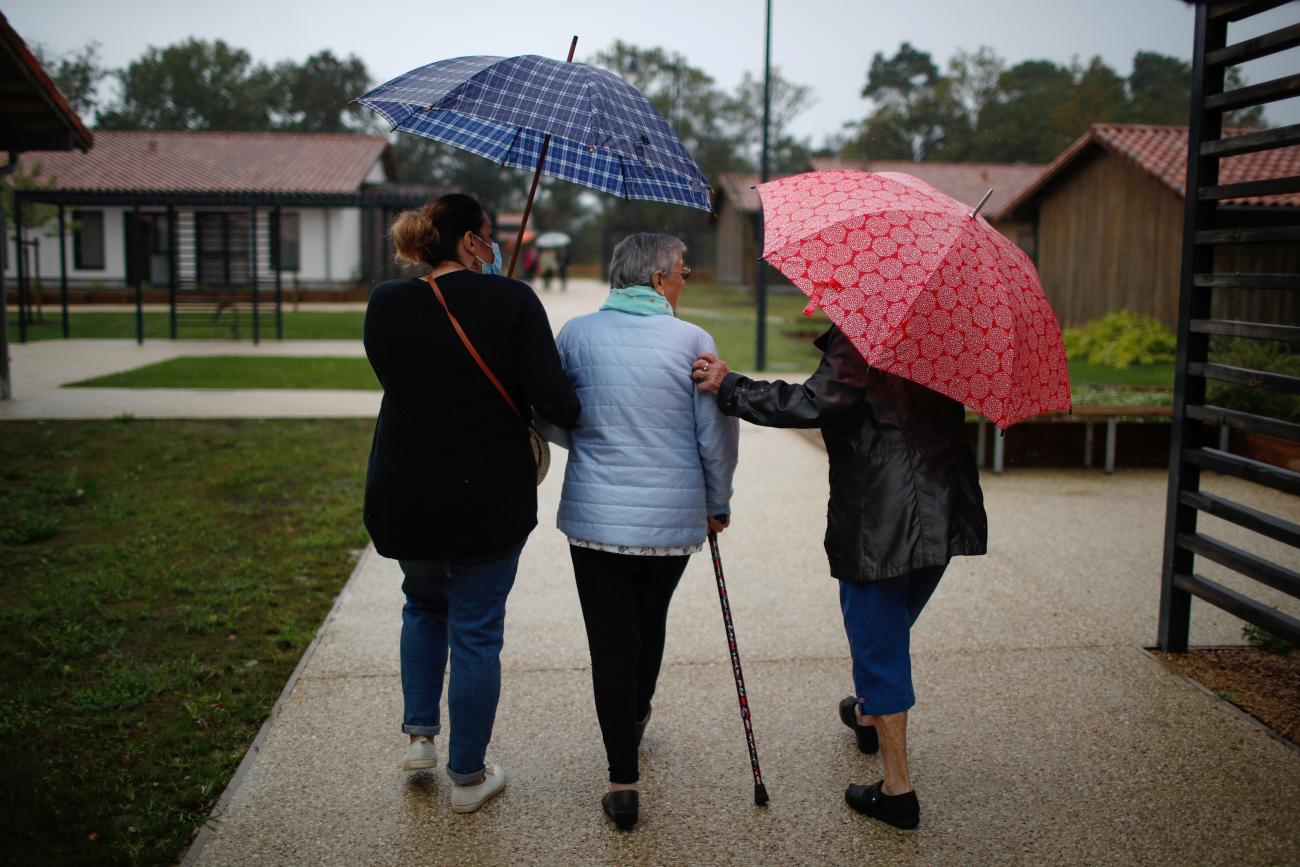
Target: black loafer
<point x="621" y="806"/>
<point x="868" y="741"/>
<point x="901" y="811"/>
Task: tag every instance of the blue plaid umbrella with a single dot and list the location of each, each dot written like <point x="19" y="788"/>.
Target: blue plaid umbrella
<point x="603" y="133"/>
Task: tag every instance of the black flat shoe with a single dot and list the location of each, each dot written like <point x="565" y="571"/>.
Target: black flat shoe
<point x="621" y="806"/>
<point x="901" y="811"/>
<point x="868" y="741"/>
<point x="640" y="727"/>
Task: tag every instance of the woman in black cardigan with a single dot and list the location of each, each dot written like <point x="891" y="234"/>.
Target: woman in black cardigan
<point x="451" y="485"/>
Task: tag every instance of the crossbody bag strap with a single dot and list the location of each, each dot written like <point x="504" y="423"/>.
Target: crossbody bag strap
<point x="460" y="332"/>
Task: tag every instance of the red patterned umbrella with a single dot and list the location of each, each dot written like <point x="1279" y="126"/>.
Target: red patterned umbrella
<point x="924" y="289"/>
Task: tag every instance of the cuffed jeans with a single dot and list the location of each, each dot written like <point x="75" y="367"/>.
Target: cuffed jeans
<point x="878" y="618"/>
<point x="461" y="605"/>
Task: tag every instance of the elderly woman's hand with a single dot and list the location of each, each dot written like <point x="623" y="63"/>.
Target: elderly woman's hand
<point x="709" y="371"/>
<point x="718" y="523"/>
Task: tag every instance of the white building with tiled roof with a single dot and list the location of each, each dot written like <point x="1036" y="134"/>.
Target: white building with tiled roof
<point x="319" y="246"/>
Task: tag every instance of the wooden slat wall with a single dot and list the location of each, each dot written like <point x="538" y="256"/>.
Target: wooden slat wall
<point x="1110" y="237"/>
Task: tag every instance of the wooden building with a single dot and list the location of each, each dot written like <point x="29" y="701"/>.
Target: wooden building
<point x="738" y="205"/>
<point x="1108" y="218"/>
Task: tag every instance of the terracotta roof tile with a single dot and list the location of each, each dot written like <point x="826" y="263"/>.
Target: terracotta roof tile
<point x="965" y="182"/>
<point x="1161" y="152"/>
<point x="276" y="162"/>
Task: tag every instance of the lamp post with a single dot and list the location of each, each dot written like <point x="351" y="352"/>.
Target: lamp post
<point x="760" y="342"/>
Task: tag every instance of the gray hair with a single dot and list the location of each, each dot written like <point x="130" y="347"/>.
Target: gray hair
<point x="637" y="257"/>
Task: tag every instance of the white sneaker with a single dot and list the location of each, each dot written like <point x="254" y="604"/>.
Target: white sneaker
<point x="422" y="753"/>
<point x="467" y="799"/>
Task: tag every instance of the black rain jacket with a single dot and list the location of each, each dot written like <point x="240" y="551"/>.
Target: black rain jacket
<point x="904" y="489"/>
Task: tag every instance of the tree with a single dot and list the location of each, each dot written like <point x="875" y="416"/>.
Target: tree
<point x="895" y="79"/>
<point x="788" y="101"/>
<point x="1159" y="91"/>
<point x="317" y="93"/>
<point x="919" y="113"/>
<point x="1019" y="124"/>
<point x="195" y="85"/>
<point x="78" y="75"/>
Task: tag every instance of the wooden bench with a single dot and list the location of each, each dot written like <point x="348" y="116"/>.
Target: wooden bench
<point x="1089" y="416"/>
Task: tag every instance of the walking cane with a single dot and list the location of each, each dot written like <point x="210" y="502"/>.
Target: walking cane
<point x="760" y="791"/>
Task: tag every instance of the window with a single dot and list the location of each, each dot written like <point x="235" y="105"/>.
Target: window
<point x="223" y="248"/>
<point x="286" y="256"/>
<point x="88" y="240"/>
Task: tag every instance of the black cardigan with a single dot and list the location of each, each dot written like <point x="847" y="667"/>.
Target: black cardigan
<point x="451" y="474"/>
<point x="905" y="493"/>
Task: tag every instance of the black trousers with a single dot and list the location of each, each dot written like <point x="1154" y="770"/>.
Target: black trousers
<point x="625" y="606"/>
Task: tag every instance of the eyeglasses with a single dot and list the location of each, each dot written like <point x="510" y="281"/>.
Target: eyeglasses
<point x="685" y="273"/>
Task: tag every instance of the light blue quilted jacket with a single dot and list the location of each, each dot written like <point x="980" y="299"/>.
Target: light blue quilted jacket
<point x="650" y="458"/>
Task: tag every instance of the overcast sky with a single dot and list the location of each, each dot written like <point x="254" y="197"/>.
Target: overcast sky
<point x="823" y="43"/>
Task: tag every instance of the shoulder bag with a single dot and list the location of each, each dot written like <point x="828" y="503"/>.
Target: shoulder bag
<point x="541" y="449"/>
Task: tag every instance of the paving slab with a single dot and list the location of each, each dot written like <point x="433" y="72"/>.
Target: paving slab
<point x="1032" y="687"/>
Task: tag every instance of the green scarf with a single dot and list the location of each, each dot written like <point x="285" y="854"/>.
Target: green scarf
<point x="638" y="300"/>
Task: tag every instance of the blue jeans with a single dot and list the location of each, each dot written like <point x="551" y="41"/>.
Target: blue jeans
<point x="459" y="604"/>
<point x="878" y="618"/>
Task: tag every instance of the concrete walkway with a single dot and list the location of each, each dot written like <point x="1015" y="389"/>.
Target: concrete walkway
<point x="1043" y="733"/>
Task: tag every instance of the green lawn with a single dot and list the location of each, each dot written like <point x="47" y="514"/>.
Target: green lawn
<point x="160" y="582"/>
<point x="241" y="371"/>
<point x="305" y="325"/>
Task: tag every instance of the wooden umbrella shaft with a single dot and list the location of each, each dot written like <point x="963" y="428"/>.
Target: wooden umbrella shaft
<point x="537" y="176"/>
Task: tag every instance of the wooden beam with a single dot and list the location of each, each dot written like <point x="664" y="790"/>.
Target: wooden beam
<point x="1251" y="49"/>
<point x="1266" y="139"/>
<point x="1256" y="94"/>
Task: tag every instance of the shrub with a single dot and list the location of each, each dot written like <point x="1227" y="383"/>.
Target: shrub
<point x="1265" y="355"/>
<point x="1120" y="339"/>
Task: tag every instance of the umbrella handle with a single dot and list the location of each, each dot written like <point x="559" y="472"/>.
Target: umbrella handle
<point x="537" y="176"/>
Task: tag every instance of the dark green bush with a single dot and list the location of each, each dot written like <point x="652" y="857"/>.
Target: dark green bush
<point x="1265" y="355"/>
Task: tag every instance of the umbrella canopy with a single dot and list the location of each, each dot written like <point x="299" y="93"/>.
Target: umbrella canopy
<point x="553" y="239"/>
<point x="923" y="288"/>
<point x="604" y="134"/>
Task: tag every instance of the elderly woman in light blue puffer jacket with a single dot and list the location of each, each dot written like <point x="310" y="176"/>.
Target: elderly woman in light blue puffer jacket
<point x="649" y="474"/>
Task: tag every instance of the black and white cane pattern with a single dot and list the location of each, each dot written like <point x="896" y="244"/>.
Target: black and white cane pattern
<point x="604" y="133"/>
<point x="760" y="790"/>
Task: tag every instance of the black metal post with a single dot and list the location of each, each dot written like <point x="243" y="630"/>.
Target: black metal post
<point x="1193" y="303"/>
<point x="20" y="263"/>
<point x="252" y="269"/>
<point x="760" y="341"/>
<point x="278" y="258"/>
<point x="134" y="260"/>
<point x="63" y="271"/>
<point x="173" y="271"/>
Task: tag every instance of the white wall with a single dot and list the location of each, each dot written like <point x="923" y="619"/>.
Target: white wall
<point x="344" y="248"/>
<point x="112" y="274"/>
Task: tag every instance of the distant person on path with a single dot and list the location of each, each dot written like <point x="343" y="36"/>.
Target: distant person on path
<point x="564" y="269"/>
<point x="451" y="485"/>
<point x="549" y="262"/>
<point x="649" y="474"/>
<point x="904" y="498"/>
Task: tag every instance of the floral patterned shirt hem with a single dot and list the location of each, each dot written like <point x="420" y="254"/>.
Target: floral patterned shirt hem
<point x="640" y="550"/>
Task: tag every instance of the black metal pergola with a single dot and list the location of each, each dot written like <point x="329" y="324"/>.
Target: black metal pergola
<point x="376" y="261"/>
<point x="1204" y="234"/>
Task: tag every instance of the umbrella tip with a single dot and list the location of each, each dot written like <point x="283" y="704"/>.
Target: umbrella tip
<point x="981" y="204"/>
